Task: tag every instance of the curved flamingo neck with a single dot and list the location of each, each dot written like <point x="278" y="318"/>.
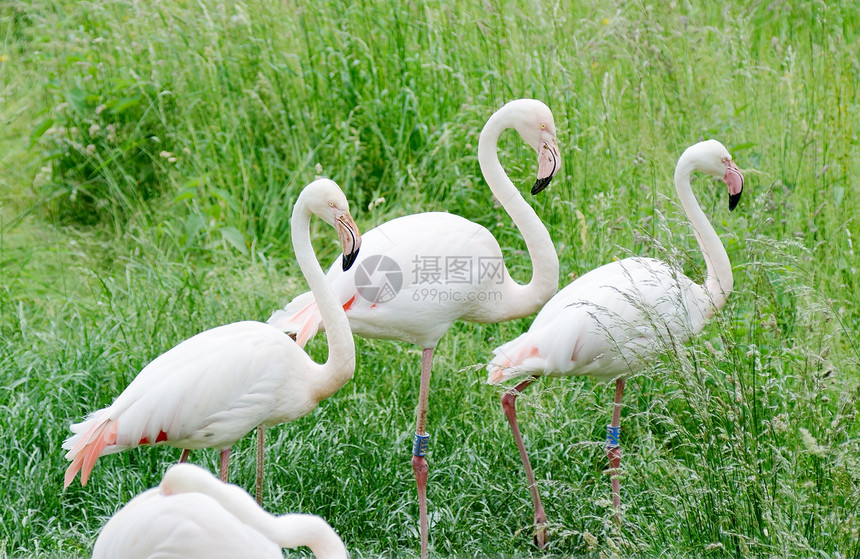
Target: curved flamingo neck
<point x="519" y="300"/>
<point x="340" y="365"/>
<point x="296" y="530"/>
<point x="289" y="530"/>
<point x="719" y="280"/>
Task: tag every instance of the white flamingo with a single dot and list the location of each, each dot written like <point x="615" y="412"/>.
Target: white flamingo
<point x="212" y="389"/>
<point x="418" y="274"/>
<point x="614" y="319"/>
<point x="192" y="514"/>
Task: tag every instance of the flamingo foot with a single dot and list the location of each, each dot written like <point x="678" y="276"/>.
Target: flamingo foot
<point x="509" y="401"/>
<point x="420" y="468"/>
<point x="615" y="473"/>
<point x="540" y="538"/>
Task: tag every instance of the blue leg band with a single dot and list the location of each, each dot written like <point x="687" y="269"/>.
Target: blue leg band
<point x="419" y="446"/>
<point x="613" y="436"/>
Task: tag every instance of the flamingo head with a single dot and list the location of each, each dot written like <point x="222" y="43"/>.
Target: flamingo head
<point x="325" y="198"/>
<point x="715" y="160"/>
<point x="534" y="122"/>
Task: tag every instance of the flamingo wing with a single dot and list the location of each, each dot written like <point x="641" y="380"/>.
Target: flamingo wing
<point x="606" y="323"/>
<point x="179" y="526"/>
<point x="414" y="277"/>
<point x="206" y="392"/>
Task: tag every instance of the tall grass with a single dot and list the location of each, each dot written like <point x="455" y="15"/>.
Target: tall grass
<point x="151" y="153"/>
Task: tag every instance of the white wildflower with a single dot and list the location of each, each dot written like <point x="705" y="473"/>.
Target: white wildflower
<point x="810" y="443"/>
<point x="779" y="424"/>
<point x="43" y="176"/>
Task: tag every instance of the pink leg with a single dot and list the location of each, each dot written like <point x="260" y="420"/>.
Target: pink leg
<point x="613" y="450"/>
<point x="225" y="463"/>
<point x="419" y="449"/>
<point x="184" y="456"/>
<point x="261" y="434"/>
<point x="509" y="400"/>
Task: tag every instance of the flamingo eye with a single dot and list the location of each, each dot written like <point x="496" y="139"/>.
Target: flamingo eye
<point x="331" y="204"/>
<point x="543" y="126"/>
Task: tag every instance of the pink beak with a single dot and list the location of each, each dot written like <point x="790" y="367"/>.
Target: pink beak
<point x="549" y="161"/>
<point x="735" y="181"/>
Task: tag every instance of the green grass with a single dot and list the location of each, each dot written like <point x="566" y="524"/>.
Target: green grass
<point x="150" y="156"/>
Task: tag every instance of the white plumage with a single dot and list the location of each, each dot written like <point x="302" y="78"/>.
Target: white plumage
<point x="192" y="514"/>
<point x="450" y="268"/>
<point x="611" y="321"/>
<point x="212" y="389"/>
<point x="606" y="323"/>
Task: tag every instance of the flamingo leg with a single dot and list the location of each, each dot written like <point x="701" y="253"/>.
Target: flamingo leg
<point x="184" y="456"/>
<point x="225" y="463"/>
<point x="613" y="450"/>
<point x="260" y="448"/>
<point x="419" y="448"/>
<point x="509" y="400"/>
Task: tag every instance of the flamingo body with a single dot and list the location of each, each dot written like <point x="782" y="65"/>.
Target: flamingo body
<point x="607" y="323"/>
<point x="179" y="526"/>
<point x="192" y="514"/>
<point x="428" y="300"/>
<point x="206" y="392"/>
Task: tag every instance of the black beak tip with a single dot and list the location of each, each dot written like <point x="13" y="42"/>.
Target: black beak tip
<point x="349" y="259"/>
<point x="733" y="201"/>
<point x="541" y="184"/>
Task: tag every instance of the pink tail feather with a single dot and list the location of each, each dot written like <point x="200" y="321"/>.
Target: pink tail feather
<point x="310" y="326"/>
<point x="504" y="362"/>
<point x="88" y="449"/>
<point x="304" y="323"/>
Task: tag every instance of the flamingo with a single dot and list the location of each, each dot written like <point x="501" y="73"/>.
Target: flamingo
<point x="192" y="514"/>
<point x="210" y="390"/>
<point x="612" y="321"/>
<point x="420" y="273"/>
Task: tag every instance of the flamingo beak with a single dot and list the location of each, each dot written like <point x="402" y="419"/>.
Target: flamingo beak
<point x="549" y="161"/>
<point x="735" y="181"/>
<point x="350" y="237"/>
